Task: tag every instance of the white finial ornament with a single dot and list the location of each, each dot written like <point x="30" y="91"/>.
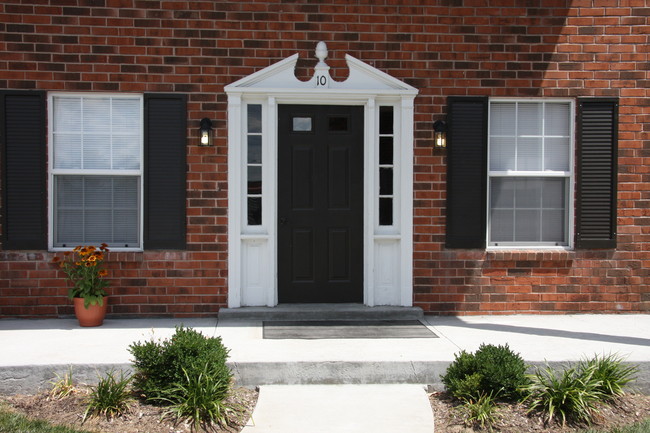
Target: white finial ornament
<point x="321" y="51"/>
<point x="321" y="71"/>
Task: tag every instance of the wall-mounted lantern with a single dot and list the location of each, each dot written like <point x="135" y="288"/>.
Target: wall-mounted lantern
<point x="205" y="132"/>
<point x="440" y="134"/>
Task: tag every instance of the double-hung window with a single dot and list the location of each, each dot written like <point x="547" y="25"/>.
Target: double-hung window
<point x="529" y="173"/>
<point x="96" y="170"/>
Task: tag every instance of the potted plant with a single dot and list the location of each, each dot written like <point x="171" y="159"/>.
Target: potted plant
<point x="84" y="268"/>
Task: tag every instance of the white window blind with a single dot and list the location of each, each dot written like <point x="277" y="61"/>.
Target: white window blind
<point x="529" y="173"/>
<point x="96" y="170"/>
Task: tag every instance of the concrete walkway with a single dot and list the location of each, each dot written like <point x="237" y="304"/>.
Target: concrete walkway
<point x="340" y="371"/>
<point x="341" y="409"/>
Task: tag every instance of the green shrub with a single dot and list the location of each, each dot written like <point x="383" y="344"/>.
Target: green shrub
<point x="614" y="376"/>
<point x="200" y="398"/>
<point x="111" y="397"/>
<point x="468" y="388"/>
<point x="161" y="366"/>
<point x="494" y="370"/>
<point x="570" y="395"/>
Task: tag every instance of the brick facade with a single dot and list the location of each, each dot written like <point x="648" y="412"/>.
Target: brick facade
<point x="548" y="48"/>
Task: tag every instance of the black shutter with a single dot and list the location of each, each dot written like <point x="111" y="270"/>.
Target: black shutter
<point x="466" y="171"/>
<point x="596" y="173"/>
<point x="164" y="171"/>
<point x="24" y="200"/>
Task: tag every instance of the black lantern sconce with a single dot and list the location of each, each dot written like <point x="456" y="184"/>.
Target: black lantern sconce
<point x="205" y="132"/>
<point x="440" y="134"/>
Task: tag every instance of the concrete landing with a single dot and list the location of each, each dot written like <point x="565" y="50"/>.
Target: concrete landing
<point x="321" y="312"/>
<point x="341" y="409"/>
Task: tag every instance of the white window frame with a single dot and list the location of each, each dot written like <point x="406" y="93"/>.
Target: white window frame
<point x="52" y="172"/>
<point x="569" y="176"/>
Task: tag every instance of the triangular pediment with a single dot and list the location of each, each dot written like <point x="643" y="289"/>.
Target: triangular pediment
<point x="281" y="76"/>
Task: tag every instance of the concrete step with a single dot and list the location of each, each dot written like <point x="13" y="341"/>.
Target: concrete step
<point x="322" y="312"/>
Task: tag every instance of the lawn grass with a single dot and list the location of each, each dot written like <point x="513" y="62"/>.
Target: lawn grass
<point x="11" y="422"/>
<point x="640" y="427"/>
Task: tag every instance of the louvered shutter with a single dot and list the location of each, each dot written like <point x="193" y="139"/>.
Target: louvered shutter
<point x="165" y="171"/>
<point x="596" y="173"/>
<point x="24" y="205"/>
<point x="466" y="171"/>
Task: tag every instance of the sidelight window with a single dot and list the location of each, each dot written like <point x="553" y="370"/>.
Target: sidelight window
<point x="254" y="165"/>
<point x="386" y="165"/>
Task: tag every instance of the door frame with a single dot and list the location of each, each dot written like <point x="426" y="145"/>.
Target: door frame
<point x="252" y="250"/>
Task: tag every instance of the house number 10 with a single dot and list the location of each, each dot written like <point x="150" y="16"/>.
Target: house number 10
<point x="321" y="81"/>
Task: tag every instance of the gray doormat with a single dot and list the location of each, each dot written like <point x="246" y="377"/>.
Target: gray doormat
<point x="333" y="329"/>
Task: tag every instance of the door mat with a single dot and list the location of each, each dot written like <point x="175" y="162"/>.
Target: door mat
<point x="338" y="329"/>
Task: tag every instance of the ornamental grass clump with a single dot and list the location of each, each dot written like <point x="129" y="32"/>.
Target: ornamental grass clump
<point x="84" y="268"/>
<point x="111" y="397"/>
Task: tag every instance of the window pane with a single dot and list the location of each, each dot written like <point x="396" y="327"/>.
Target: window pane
<point x="385" y="120"/>
<point x="527" y="225"/>
<point x="67" y="151"/>
<point x="553" y="226"/>
<point x="97" y="192"/>
<point x="67" y="115"/>
<point x="529" y="119"/>
<point x="97" y="152"/>
<point x="502" y="117"/>
<point x="556" y="154"/>
<point x="254" y="211"/>
<point x="502" y="193"/>
<point x="386" y="150"/>
<point x="502" y="154"/>
<point x="385" y="211"/>
<point x="99" y="226"/>
<point x="528" y="193"/>
<point x="69" y="228"/>
<point x="126" y="153"/>
<point x="502" y="223"/>
<point x="96" y="115"/>
<point x="125" y="116"/>
<point x="557" y="118"/>
<point x="553" y="195"/>
<point x="255" y="118"/>
<point x="255" y="180"/>
<point x="338" y="123"/>
<point x="385" y="181"/>
<point x="254" y="149"/>
<point x="69" y="192"/>
<point x="529" y="154"/>
<point x="302" y="124"/>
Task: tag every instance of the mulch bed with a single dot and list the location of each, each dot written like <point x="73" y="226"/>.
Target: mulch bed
<point x="513" y="418"/>
<point x="141" y="418"/>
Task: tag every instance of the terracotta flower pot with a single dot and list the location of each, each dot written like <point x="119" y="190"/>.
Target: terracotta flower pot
<point x="91" y="316"/>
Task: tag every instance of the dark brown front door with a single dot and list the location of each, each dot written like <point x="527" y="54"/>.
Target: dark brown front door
<point x="320" y="204"/>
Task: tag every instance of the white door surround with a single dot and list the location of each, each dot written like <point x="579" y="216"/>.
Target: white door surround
<point x="252" y="248"/>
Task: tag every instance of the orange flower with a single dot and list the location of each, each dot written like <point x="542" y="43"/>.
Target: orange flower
<point x="56" y="259"/>
<point x="103" y="273"/>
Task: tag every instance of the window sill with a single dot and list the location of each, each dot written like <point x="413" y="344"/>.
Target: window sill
<point x="529" y="254"/>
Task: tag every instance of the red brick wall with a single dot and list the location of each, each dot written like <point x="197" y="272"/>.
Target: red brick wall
<point x="553" y="48"/>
